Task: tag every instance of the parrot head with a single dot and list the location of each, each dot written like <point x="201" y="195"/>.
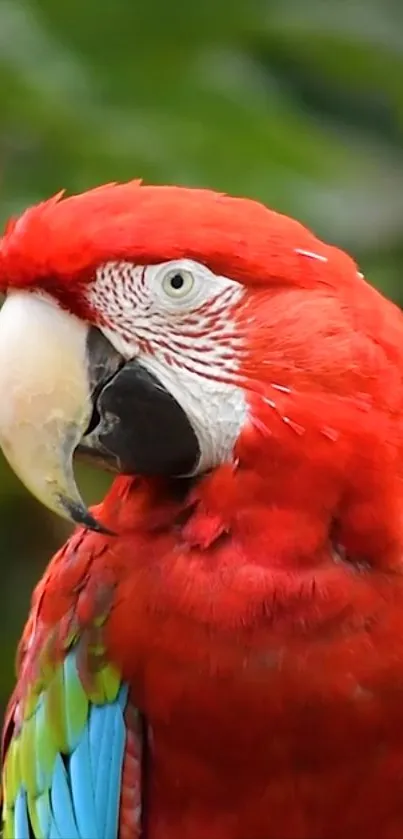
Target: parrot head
<point x="165" y="331"/>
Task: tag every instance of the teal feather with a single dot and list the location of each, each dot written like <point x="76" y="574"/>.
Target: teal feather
<point x="42" y="805"/>
<point x="43" y="777"/>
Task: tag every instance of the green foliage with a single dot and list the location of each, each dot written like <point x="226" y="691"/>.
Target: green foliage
<point x="297" y="104"/>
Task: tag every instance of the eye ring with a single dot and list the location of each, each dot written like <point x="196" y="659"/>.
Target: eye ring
<point x="178" y="283"/>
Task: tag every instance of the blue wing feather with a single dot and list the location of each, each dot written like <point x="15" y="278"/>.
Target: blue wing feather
<point x="106" y="777"/>
<point x="111" y="813"/>
<point x="54" y="833"/>
<point x="81" y="798"/>
<point x="21" y="825"/>
<point x="62" y="814"/>
<point x="82" y="787"/>
<point x="87" y="798"/>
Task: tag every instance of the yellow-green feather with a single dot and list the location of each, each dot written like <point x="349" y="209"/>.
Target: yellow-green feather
<point x="8" y="824"/>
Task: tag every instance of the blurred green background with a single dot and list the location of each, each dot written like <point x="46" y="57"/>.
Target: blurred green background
<point x="295" y="102"/>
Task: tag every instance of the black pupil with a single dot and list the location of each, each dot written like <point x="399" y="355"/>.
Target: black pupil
<point x="177" y="281"/>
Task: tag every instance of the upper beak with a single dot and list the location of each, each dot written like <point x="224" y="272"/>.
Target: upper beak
<point x="50" y="368"/>
<point x="64" y="388"/>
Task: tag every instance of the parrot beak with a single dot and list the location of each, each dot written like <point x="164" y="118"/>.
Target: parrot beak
<point x="65" y="390"/>
<point x="47" y="379"/>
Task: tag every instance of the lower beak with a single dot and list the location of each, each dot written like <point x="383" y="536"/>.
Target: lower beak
<point x="65" y="389"/>
<point x="51" y="364"/>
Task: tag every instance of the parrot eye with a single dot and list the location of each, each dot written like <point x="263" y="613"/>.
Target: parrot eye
<point x="178" y="284"/>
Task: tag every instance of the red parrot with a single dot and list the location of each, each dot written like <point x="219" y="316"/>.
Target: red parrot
<point x="217" y="652"/>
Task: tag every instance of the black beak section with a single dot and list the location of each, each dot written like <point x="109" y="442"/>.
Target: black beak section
<point x="80" y="515"/>
<point x="137" y="427"/>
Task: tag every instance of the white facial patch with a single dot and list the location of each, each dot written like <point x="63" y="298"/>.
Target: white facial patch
<point x="177" y="319"/>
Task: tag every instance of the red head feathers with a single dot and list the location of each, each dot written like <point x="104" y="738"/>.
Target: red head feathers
<point x="62" y="240"/>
